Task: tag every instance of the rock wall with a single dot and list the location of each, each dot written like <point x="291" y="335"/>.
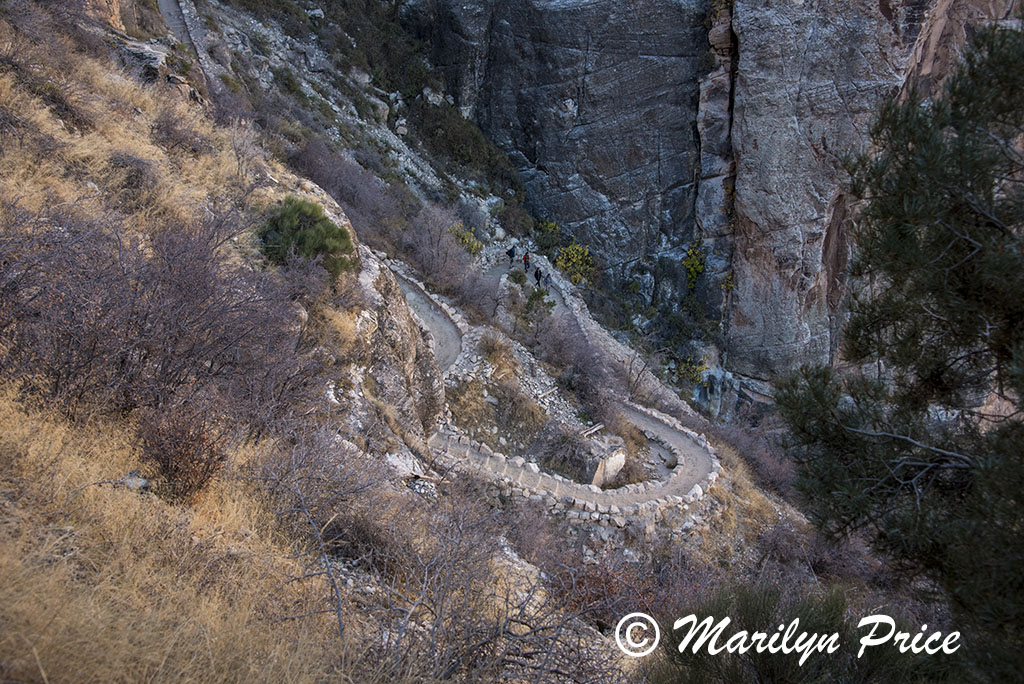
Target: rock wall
<point x="643" y="126"/>
<point x="640" y="511"/>
<point x="808" y="80"/>
<point x="596" y="102"/>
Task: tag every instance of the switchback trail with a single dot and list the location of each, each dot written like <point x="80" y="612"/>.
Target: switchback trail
<point x="695" y="463"/>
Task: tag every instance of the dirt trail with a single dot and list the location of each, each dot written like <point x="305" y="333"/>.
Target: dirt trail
<point x="447" y="340"/>
<point x="175" y="20"/>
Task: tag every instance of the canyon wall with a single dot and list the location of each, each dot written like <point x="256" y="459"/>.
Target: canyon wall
<point x="595" y="101"/>
<point x="648" y="126"/>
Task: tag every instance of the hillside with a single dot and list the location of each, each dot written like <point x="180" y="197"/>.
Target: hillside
<point x="281" y="400"/>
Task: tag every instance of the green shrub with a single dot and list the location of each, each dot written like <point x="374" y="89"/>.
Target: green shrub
<point x="450" y="136"/>
<point x="762" y="606"/>
<point x="231" y="83"/>
<point x="518" y="277"/>
<point x="576" y="262"/>
<point x="538" y="304"/>
<point x="300" y="226"/>
<point x="694" y="265"/>
<point x="466" y="239"/>
<point x="548" y="236"/>
<point x="286" y="77"/>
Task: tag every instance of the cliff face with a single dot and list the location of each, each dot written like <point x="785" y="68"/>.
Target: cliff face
<point x="643" y="127"/>
<point x="595" y="100"/>
<point x="808" y="80"/>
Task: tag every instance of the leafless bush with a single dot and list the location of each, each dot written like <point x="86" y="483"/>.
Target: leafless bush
<point x="138" y="179"/>
<point x="230" y="107"/>
<point x="632" y="472"/>
<point x="379" y="212"/>
<point x="756" y="439"/>
<point x="72" y="103"/>
<point x="566" y="453"/>
<point x="173" y="132"/>
<point x="434" y="250"/>
<point x="187" y="443"/>
<point x="244" y="144"/>
<point x="585" y="370"/>
<point x="94" y="318"/>
<point x="468" y="612"/>
<point x="312" y="478"/>
<point x="476" y="295"/>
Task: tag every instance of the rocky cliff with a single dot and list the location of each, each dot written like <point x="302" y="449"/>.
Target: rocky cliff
<point x="647" y="127"/>
<point x="597" y="103"/>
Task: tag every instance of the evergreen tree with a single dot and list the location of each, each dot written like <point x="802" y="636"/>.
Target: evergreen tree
<point x="924" y="446"/>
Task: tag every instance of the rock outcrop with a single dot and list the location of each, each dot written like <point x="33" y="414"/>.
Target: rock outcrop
<point x="104" y="11"/>
<point x="401" y="364"/>
<point x="809" y="78"/>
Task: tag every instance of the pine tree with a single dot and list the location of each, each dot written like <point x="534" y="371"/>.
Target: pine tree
<point x="924" y="447"/>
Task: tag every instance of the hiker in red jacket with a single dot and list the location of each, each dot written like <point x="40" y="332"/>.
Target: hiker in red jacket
<point x="526" y="261"/>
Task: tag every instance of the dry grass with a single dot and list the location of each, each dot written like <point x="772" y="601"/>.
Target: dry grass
<point x="518" y="417"/>
<point x="71" y="117"/>
<point x="343" y="332"/>
<point x="637" y="446"/>
<point x="500" y="355"/>
<point x="469" y="406"/>
<point x="102" y="583"/>
<point x="742" y="513"/>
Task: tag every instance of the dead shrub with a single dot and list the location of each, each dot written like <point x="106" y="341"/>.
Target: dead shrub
<point x="755" y="437"/>
<point x="602" y="590"/>
<point x="95" y="318"/>
<point x="500" y="355"/>
<point x="187" y="443"/>
<point x="566" y="453"/>
<point x="379" y="212"/>
<point x="362" y="537"/>
<point x="172" y="130"/>
<point x="434" y="250"/>
<point x="517" y="412"/>
<point x="66" y="99"/>
<point x="476" y="296"/>
<point x="632" y="472"/>
<point x="136" y="179"/>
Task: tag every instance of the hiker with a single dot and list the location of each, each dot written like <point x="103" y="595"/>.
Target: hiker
<point x="526" y="261"/>
<point x="537" y="275"/>
<point x="547" y="280"/>
<point x="511" y="255"/>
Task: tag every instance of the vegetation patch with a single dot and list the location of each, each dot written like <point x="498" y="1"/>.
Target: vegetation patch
<point x="300" y="228"/>
<point x="576" y="263"/>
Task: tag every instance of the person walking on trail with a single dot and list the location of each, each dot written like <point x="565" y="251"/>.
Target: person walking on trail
<point x="526" y="261"/>
<point x="547" y="280"/>
<point x="537" y="275"/>
<point x="511" y="254"/>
